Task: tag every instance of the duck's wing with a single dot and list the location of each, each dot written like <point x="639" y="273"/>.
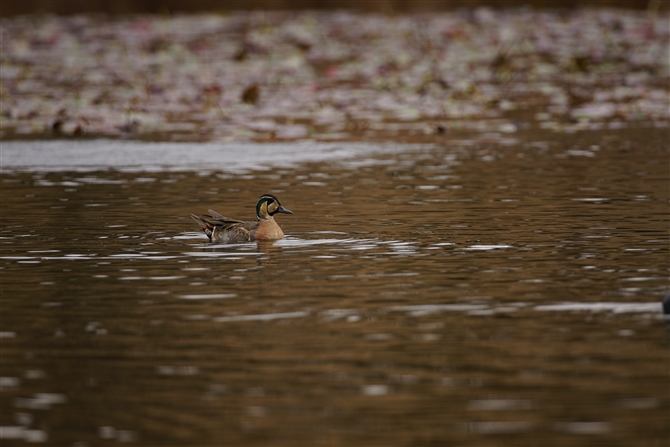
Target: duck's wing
<point x="219" y="228"/>
<point x="214" y="219"/>
<point x="214" y="215"/>
<point x="206" y="225"/>
<point x="238" y="232"/>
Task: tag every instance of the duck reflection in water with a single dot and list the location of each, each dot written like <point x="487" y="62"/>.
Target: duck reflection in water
<point x="221" y="229"/>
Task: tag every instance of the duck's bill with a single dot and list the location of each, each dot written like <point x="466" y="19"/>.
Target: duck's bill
<point x="281" y="209"/>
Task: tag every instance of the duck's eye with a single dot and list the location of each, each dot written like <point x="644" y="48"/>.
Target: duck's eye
<point x="272" y="207"/>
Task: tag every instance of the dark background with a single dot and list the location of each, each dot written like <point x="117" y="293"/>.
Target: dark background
<point x="18" y="7"/>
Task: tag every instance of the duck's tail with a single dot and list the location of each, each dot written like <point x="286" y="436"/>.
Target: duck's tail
<point x="206" y="226"/>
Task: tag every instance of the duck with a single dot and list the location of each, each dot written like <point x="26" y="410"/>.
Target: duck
<point x="221" y="229"/>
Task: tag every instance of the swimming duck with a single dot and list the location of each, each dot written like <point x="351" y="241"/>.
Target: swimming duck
<point x="219" y="228"/>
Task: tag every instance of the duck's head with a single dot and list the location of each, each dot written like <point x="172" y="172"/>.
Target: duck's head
<point x="267" y="206"/>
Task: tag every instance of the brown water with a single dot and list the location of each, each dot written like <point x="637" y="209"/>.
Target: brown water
<point x="486" y="291"/>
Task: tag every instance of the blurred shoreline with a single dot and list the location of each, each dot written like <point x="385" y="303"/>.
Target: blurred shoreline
<point x="129" y="7"/>
<point x="332" y="75"/>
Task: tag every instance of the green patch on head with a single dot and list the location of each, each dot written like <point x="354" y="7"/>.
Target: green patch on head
<point x="267" y="206"/>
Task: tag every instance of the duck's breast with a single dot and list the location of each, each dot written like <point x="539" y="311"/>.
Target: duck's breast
<point x="268" y="230"/>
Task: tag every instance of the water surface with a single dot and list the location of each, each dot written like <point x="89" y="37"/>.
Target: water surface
<point x="484" y="291"/>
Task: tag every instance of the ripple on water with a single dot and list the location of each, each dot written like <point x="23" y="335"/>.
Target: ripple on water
<point x="410" y="300"/>
<point x="421" y="310"/>
<point x="600" y="307"/>
<point x="220" y="254"/>
<point x="26" y="434"/>
<point x="584" y="428"/>
<point x="499" y="427"/>
<point x="208" y="296"/>
<point x="41" y="401"/>
<point x="487" y="247"/>
<point x="262" y="317"/>
<point x="499" y="404"/>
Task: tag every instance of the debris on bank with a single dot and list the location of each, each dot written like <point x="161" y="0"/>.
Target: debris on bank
<point x="332" y="75"/>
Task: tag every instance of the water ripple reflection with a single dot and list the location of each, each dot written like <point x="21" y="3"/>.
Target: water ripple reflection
<point x="466" y="293"/>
